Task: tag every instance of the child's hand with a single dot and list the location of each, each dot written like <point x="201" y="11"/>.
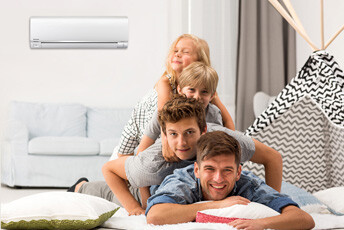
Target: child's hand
<point x="136" y="211"/>
<point x="167" y="152"/>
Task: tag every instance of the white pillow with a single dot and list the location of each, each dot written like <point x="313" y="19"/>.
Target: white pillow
<point x="333" y="198"/>
<point x="56" y="210"/>
<point x="307" y="202"/>
<point x="104" y="123"/>
<point x="251" y="211"/>
<point x="50" y="119"/>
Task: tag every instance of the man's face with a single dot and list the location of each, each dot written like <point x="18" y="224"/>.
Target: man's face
<point x="182" y="137"/>
<point x="218" y="176"/>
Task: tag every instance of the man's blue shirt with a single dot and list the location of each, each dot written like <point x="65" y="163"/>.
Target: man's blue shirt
<point x="182" y="187"/>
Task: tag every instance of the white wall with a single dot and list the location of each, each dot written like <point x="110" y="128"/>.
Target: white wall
<point x="91" y="77"/>
<point x="217" y="22"/>
<point x="116" y="78"/>
<point x="309" y="14"/>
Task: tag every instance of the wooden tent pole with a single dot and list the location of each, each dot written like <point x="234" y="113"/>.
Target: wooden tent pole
<point x="287" y="17"/>
<point x="334" y="37"/>
<point x="293" y="14"/>
<point x="322" y="23"/>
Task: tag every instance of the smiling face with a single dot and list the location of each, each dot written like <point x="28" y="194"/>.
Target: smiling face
<point x="184" y="54"/>
<point x="198" y="92"/>
<point x="218" y="175"/>
<point x="182" y="137"/>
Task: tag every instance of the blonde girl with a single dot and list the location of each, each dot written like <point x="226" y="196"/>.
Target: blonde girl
<point x="185" y="50"/>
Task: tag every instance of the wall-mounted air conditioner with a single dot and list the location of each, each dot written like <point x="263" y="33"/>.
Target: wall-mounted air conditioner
<point x="79" y="32"/>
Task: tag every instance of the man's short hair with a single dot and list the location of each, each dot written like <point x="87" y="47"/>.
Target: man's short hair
<point x="197" y="74"/>
<point x="180" y="107"/>
<point x="217" y="143"/>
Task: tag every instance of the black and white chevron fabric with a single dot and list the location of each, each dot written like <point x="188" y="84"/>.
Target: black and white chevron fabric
<point x="312" y="147"/>
<point x="305" y="123"/>
<point x="321" y="79"/>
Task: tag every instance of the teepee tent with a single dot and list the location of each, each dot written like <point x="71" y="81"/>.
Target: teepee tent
<point x="305" y="122"/>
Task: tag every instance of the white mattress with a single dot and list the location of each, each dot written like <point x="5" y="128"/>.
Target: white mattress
<point x="121" y="220"/>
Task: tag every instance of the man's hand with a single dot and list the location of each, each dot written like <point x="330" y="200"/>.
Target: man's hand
<point x="232" y="200"/>
<point x="167" y="152"/>
<point x="247" y="224"/>
<point x="136" y="211"/>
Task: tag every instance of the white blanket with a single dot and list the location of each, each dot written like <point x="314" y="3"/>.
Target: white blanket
<point x="121" y="220"/>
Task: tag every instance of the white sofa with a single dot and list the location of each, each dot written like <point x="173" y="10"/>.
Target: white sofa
<point x="52" y="145"/>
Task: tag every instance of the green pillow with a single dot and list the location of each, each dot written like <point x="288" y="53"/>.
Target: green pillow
<point x="56" y="210"/>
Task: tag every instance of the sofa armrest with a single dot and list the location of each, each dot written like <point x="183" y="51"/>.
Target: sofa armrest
<point x="16" y="131"/>
<point x="16" y="135"/>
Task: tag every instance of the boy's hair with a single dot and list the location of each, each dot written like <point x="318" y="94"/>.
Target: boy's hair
<point x="202" y="49"/>
<point x="180" y="107"/>
<point x="197" y="74"/>
<point x="217" y="143"/>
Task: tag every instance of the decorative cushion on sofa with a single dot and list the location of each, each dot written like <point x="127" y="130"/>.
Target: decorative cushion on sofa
<point x="107" y="146"/>
<point x="104" y="123"/>
<point x="50" y="119"/>
<point x="63" y="146"/>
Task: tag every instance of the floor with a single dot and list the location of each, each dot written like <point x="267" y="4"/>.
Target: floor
<point x="8" y="194"/>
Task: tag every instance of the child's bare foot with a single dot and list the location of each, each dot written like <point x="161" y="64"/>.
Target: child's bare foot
<point x="75" y="187"/>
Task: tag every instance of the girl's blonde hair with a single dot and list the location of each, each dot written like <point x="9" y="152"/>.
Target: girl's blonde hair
<point x="199" y="74"/>
<point x="202" y="49"/>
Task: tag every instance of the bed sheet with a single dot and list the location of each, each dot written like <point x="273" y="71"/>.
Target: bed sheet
<point x="121" y="220"/>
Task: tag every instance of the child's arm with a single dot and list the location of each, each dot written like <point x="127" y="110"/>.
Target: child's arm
<point x="226" y="117"/>
<point x="164" y="91"/>
<point x="114" y="174"/>
<point x="272" y="161"/>
<point x="146" y="141"/>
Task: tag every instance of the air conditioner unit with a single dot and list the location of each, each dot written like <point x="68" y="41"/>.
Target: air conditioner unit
<point x="79" y="32"/>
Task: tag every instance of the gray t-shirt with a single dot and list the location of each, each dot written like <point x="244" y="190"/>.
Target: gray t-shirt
<point x="212" y="113"/>
<point x="150" y="168"/>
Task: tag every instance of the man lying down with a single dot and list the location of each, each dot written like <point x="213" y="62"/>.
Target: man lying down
<point x="216" y="176"/>
<point x="201" y="187"/>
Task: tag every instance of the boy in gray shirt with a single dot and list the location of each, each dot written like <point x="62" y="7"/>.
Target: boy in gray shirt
<point x="183" y="121"/>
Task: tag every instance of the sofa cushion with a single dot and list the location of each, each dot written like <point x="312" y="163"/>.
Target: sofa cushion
<point x="107" y="146"/>
<point x="50" y="119"/>
<point x="63" y="146"/>
<point x="104" y="123"/>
